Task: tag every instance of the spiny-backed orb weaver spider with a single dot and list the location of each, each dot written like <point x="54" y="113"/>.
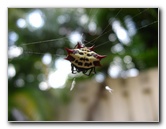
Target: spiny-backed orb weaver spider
<point x="83" y="58"/>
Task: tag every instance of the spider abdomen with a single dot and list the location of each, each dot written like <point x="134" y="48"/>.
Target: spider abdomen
<point x="83" y="58"/>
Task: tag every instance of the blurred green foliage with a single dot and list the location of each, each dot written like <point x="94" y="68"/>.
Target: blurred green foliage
<point x="34" y="104"/>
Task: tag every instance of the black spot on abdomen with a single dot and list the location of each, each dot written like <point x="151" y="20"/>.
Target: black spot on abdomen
<point x="79" y="63"/>
<point x="88" y="64"/>
<point x="84" y="59"/>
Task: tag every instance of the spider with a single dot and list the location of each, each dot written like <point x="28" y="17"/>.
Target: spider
<point x="83" y="59"/>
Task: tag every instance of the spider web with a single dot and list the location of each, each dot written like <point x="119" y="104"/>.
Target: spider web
<point x="29" y="52"/>
<point x="93" y="41"/>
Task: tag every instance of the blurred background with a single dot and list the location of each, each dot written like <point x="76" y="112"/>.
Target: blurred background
<point x="126" y="86"/>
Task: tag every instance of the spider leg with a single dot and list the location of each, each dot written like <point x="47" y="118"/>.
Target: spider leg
<point x="72" y="69"/>
<point x="94" y="71"/>
<point x="78" y="70"/>
<point x="91" y="70"/>
<point x="84" y="72"/>
<point x="88" y="74"/>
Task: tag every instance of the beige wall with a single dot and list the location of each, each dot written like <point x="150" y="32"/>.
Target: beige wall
<point x="133" y="99"/>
